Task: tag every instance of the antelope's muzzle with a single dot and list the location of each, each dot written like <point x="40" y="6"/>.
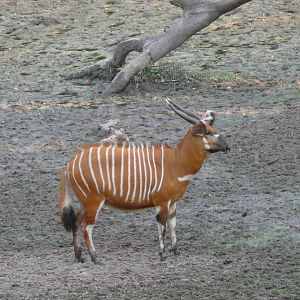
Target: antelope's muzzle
<point x="224" y="146"/>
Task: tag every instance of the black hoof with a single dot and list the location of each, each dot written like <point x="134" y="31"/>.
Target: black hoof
<point x="162" y="257"/>
<point x="78" y="255"/>
<point x="80" y="259"/>
<point x="95" y="260"/>
<point x="176" y="249"/>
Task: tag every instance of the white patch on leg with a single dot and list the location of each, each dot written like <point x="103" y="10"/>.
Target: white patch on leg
<point x="172" y="226"/>
<point x="157" y="209"/>
<point x="160" y="236"/>
<point x="89" y="230"/>
<point x="172" y="208"/>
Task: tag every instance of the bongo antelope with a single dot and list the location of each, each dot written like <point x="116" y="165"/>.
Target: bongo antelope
<point x="132" y="176"/>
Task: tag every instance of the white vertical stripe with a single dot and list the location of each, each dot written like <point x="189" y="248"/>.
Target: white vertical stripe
<point x="141" y="174"/>
<point x="89" y="230"/>
<point x="100" y="167"/>
<point x="150" y="171"/>
<point x="73" y="173"/>
<point x="155" y="173"/>
<point x="128" y="175"/>
<point x="122" y="171"/>
<point x="162" y="167"/>
<point x="91" y="169"/>
<point x="68" y="176"/>
<point x="134" y="172"/>
<point x="81" y="173"/>
<point x="113" y="169"/>
<point x="145" y="171"/>
<point x="107" y="168"/>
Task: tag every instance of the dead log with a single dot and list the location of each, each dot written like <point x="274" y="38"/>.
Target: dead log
<point x="197" y="14"/>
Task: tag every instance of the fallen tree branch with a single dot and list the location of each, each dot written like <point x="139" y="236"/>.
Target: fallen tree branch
<point x="197" y="14"/>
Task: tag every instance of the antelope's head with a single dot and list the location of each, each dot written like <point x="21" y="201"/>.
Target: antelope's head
<point x="202" y="128"/>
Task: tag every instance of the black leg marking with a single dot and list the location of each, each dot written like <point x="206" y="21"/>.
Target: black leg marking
<point x="175" y="248"/>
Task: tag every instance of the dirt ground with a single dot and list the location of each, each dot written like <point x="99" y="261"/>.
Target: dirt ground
<point x="238" y="224"/>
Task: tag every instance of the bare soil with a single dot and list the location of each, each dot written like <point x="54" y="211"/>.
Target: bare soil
<point x="238" y="224"/>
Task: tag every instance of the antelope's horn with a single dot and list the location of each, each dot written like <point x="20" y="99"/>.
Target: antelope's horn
<point x="189" y="113"/>
<point x="182" y="114"/>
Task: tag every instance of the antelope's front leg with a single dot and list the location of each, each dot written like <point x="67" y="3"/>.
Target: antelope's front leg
<point x="161" y="218"/>
<point x="172" y="227"/>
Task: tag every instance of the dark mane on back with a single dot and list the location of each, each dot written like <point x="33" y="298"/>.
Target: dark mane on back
<point x="120" y="144"/>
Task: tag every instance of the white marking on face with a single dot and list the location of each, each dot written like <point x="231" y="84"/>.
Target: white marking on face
<point x="140" y="173"/>
<point x="216" y="135"/>
<point x="128" y="175"/>
<point x="186" y="177"/>
<point x="155" y="173"/>
<point x="134" y="171"/>
<point x="91" y="169"/>
<point x="89" y="230"/>
<point x="162" y="167"/>
<point x="107" y="168"/>
<point x="100" y="167"/>
<point x="122" y="171"/>
<point x="113" y="169"/>
<point x="206" y="145"/>
<point x="150" y="170"/>
<point x="81" y="173"/>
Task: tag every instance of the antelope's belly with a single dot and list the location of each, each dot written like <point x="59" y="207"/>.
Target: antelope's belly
<point x="129" y="204"/>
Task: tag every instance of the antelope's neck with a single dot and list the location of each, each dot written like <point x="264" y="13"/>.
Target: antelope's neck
<point x="189" y="155"/>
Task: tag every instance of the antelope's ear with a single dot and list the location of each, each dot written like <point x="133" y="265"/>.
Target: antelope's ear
<point x="199" y="129"/>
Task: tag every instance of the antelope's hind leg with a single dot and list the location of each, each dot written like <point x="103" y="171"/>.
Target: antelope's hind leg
<point x="75" y="230"/>
<point x="87" y="225"/>
<point x="161" y="218"/>
<point x="172" y="227"/>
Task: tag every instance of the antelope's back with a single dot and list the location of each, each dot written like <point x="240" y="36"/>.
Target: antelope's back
<point x="127" y="175"/>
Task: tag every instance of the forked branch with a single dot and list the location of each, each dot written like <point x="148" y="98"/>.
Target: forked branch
<point x="197" y="14"/>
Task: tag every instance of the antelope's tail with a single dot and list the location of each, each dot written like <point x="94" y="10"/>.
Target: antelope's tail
<point x="67" y="212"/>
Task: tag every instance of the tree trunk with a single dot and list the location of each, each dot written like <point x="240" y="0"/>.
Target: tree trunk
<point x="197" y="14"/>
